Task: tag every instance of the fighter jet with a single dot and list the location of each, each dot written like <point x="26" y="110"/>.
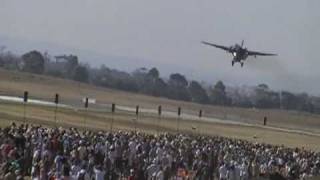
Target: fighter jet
<point x="239" y="53"/>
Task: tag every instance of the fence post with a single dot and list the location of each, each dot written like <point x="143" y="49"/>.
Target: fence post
<point x="200" y="116"/>
<point x="136" y="120"/>
<point x="25" y="101"/>
<point x="113" y="110"/>
<point x="56" y="101"/>
<point x="86" y="105"/>
<point x="178" y="119"/>
<point x="159" y="118"/>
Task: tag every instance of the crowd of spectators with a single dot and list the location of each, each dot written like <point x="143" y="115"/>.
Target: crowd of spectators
<point x="42" y="153"/>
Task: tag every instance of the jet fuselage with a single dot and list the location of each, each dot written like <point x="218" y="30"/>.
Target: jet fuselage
<point x="239" y="54"/>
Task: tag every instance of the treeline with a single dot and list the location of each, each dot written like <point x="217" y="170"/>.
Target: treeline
<point x="149" y="81"/>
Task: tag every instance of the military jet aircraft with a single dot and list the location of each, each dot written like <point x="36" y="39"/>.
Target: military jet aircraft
<point x="239" y="53"/>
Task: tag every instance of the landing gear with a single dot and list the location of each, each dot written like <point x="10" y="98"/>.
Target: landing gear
<point x="242" y="64"/>
<point x="232" y="63"/>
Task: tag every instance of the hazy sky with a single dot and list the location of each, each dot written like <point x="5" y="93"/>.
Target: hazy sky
<point x="170" y="31"/>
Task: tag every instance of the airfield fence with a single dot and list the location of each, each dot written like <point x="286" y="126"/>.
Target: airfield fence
<point x="90" y="105"/>
<point x="105" y="106"/>
<point x="227" y="115"/>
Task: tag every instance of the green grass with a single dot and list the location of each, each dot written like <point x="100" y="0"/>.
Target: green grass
<point x="11" y="112"/>
<point x="42" y="87"/>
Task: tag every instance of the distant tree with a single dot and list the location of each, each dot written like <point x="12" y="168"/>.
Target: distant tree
<point x="263" y="87"/>
<point x="220" y="86"/>
<point x="1" y="62"/>
<point x="152" y="84"/>
<point x="72" y="63"/>
<point x="2" y="48"/>
<point x="140" y="76"/>
<point x="240" y="98"/>
<point x="125" y="84"/>
<point x="65" y="64"/>
<point x="178" y="80"/>
<point x="178" y="87"/>
<point x="160" y="88"/>
<point x="288" y="100"/>
<point x="111" y="78"/>
<point x="301" y="102"/>
<point x="100" y="76"/>
<point x="10" y="60"/>
<point x="316" y="104"/>
<point x="266" y="98"/>
<point x="274" y="99"/>
<point x="2" y="56"/>
<point x="81" y="74"/>
<point x="154" y="73"/>
<point x="140" y="72"/>
<point x="149" y="82"/>
<point x="49" y="66"/>
<point x="198" y="94"/>
<point x="46" y="57"/>
<point x="304" y="103"/>
<point x="33" y="62"/>
<point x="55" y="73"/>
<point x="218" y="94"/>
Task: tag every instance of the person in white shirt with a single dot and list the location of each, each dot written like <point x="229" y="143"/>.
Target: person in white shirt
<point x="244" y="171"/>
<point x="232" y="173"/>
<point x="99" y="173"/>
<point x="237" y="171"/>
<point x="83" y="175"/>
<point x="112" y="155"/>
<point x="82" y="151"/>
<point x="160" y="175"/>
<point x="223" y="172"/>
<point x="132" y="152"/>
<point x="75" y="169"/>
<point x="152" y="169"/>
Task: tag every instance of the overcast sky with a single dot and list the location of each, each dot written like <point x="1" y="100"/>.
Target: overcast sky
<point x="170" y="31"/>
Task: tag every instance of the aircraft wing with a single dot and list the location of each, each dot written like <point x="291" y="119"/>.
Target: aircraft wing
<point x="255" y="53"/>
<point x="217" y="46"/>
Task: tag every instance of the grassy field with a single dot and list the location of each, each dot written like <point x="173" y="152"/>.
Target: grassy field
<point x="12" y="112"/>
<point x="42" y="87"/>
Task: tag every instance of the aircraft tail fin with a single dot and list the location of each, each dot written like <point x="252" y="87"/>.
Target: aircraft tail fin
<point x="242" y="42"/>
